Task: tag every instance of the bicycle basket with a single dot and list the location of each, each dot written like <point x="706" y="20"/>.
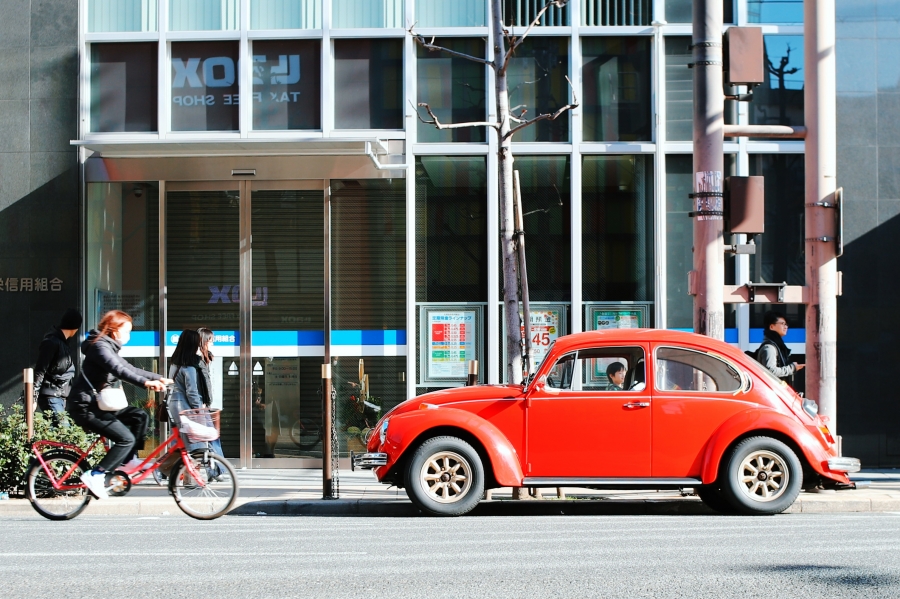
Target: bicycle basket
<point x="198" y="425"/>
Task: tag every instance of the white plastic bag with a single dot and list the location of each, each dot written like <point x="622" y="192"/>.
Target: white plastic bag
<point x="198" y="432"/>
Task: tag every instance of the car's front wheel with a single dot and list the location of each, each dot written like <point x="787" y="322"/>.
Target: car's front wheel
<point x="762" y="476"/>
<point x="445" y="477"/>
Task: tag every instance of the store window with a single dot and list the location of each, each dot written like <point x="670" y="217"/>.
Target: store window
<point x="205" y="93"/>
<point x="121" y="15"/>
<point x="366" y="14"/>
<point x="451" y="13"/>
<point x="617" y="98"/>
<point x="521" y="13"/>
<point x="607" y="13"/>
<point x="775" y="11"/>
<point x="123" y="97"/>
<point x="451" y="229"/>
<point x="617" y="228"/>
<point x="454" y="89"/>
<point x="680" y="91"/>
<point x="287" y="84"/>
<point x="546" y="204"/>
<point x="281" y="14"/>
<point x="203" y="15"/>
<point x="537" y="84"/>
<point x="368" y="84"/>
<point x="779" y="100"/>
<point x="679" y="11"/>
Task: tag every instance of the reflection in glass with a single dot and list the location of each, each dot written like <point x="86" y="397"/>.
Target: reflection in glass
<point x="121" y="15"/>
<point x="285" y="14"/>
<point x="616" y="228"/>
<point x="615" y="12"/>
<point x="368" y="84"/>
<point x="546" y="201"/>
<point x="123" y="97"/>
<point x="679" y="241"/>
<point x="679" y="11"/>
<point x="521" y="13"/>
<point x="205" y="86"/>
<point x="203" y="15"/>
<point x="451" y="229"/>
<point x="377" y="14"/>
<point x="451" y="13"/>
<point x="454" y="89"/>
<point x="779" y="252"/>
<point x="616" y="88"/>
<point x="779" y="101"/>
<point x="286" y="416"/>
<point x="680" y="91"/>
<point x="775" y="11"/>
<point x="537" y="84"/>
<point x="287" y="84"/>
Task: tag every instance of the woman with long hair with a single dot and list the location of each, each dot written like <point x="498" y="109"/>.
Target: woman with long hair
<point x="103" y="367"/>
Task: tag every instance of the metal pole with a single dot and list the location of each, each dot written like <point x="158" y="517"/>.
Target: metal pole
<point x="28" y="380"/>
<point x="821" y="170"/>
<point x="523" y="272"/>
<point x="708" y="276"/>
<point x="472" y="379"/>
<point x="327" y="481"/>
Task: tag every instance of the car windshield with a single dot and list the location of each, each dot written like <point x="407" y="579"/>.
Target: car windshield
<point x="536" y="367"/>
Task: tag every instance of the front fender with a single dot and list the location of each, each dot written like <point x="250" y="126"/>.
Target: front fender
<point x="405" y="429"/>
<point x="814" y="450"/>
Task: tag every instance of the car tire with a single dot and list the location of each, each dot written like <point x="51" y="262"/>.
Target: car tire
<point x="762" y="476"/>
<point x="714" y="500"/>
<point x="445" y="477"/>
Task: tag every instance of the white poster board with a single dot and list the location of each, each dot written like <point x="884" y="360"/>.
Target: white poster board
<point x="449" y="338"/>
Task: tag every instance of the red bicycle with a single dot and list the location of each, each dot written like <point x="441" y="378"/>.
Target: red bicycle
<point x="202" y="483"/>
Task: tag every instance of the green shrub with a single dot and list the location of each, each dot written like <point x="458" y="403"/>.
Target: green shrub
<point x="15" y="447"/>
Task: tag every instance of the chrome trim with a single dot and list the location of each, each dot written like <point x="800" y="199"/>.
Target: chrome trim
<point x="367" y="461"/>
<point x="576" y="481"/>
<point x="844" y="464"/>
<point x="637" y="404"/>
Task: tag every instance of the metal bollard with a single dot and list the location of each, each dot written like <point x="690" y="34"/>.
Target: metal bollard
<point x="327" y="477"/>
<point x="28" y="380"/>
<point x="472" y="379"/>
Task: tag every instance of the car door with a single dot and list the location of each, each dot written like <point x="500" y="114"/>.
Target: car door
<point x="579" y="426"/>
<point x="694" y="393"/>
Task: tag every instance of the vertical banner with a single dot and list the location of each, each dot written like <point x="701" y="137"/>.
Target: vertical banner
<point x="545" y="329"/>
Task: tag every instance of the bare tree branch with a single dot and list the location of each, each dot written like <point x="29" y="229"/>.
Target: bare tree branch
<point x="550" y="116"/>
<point x="439" y="125"/>
<point x="521" y="39"/>
<point x="431" y="47"/>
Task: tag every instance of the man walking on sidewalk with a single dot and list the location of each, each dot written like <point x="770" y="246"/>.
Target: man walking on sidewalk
<point x="773" y="353"/>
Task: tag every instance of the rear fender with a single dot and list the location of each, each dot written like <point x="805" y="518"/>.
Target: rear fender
<point x="406" y="431"/>
<point x="765" y="423"/>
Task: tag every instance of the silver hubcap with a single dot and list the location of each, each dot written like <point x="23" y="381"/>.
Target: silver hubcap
<point x="764" y="476"/>
<point x="446" y="477"/>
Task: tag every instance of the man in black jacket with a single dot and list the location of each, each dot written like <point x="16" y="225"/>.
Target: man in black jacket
<point x="54" y="370"/>
<point x="773" y="353"/>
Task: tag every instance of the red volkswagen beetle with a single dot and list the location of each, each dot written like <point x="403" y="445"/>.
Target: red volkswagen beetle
<point x="618" y="409"/>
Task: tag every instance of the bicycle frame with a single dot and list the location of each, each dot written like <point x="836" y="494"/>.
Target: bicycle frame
<point x="163" y="450"/>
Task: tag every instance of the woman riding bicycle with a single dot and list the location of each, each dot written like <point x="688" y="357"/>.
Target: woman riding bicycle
<point x="103" y="367"/>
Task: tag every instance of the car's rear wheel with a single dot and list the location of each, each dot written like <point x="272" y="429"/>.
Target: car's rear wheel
<point x="445" y="477"/>
<point x="762" y="476"/>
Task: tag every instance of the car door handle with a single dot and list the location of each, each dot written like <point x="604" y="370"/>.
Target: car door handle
<point x="638" y="404"/>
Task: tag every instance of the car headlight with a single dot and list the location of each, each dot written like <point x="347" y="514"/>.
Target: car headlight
<point x="382" y="434"/>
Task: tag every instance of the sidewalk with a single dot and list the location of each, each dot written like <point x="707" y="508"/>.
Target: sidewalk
<point x="299" y="493"/>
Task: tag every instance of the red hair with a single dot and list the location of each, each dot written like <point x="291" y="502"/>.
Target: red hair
<point x="111" y="322"/>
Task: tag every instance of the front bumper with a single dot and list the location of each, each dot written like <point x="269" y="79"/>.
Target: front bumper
<point x="844" y="464"/>
<point x="367" y="461"/>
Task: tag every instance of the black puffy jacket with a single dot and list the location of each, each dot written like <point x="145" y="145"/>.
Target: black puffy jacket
<point x="54" y="369"/>
<point x="103" y="366"/>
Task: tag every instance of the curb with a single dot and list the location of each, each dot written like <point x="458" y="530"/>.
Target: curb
<point x="404" y="509"/>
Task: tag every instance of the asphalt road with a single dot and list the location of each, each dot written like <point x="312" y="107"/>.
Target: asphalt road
<point x="829" y="555"/>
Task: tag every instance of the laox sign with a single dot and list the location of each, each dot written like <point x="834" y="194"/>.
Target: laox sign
<point x="188" y="71"/>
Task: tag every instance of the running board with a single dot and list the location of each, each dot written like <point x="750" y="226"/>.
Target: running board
<point x="612" y="483"/>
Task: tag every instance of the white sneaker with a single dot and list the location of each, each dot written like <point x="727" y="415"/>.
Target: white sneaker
<point x="131" y="464"/>
<point x="95" y="482"/>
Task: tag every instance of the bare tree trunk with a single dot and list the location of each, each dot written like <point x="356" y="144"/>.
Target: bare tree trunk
<point x="507" y="222"/>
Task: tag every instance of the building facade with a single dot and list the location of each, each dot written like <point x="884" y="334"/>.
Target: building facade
<point x="258" y="167"/>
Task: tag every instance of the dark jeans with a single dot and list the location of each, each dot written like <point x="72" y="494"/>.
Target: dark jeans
<point x="126" y="428"/>
<point x="56" y="405"/>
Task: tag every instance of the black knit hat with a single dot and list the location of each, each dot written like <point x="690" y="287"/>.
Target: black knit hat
<point x="71" y="319"/>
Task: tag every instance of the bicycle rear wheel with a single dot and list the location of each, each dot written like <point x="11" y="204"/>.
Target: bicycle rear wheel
<point x="209" y="496"/>
<point x="49" y="502"/>
<point x="305" y="434"/>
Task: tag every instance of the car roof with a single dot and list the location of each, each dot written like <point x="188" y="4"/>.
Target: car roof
<point x="608" y="336"/>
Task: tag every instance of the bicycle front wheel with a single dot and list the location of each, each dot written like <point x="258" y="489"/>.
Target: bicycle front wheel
<point x="62" y="504"/>
<point x="211" y="494"/>
<point x="305" y="434"/>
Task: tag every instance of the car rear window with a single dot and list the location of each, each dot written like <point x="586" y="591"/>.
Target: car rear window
<point x="679" y="369"/>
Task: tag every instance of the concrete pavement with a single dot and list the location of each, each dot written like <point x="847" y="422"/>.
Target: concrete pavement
<point x="298" y="493"/>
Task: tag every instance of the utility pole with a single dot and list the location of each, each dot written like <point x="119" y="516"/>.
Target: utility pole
<point x="707" y="279"/>
<point x="821" y="225"/>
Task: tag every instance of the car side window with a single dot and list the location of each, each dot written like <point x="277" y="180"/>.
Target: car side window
<point x="562" y="373"/>
<point x="611" y="369"/>
<point x="690" y="370"/>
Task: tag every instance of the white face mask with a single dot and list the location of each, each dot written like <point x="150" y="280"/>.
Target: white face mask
<point x="124" y="333"/>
